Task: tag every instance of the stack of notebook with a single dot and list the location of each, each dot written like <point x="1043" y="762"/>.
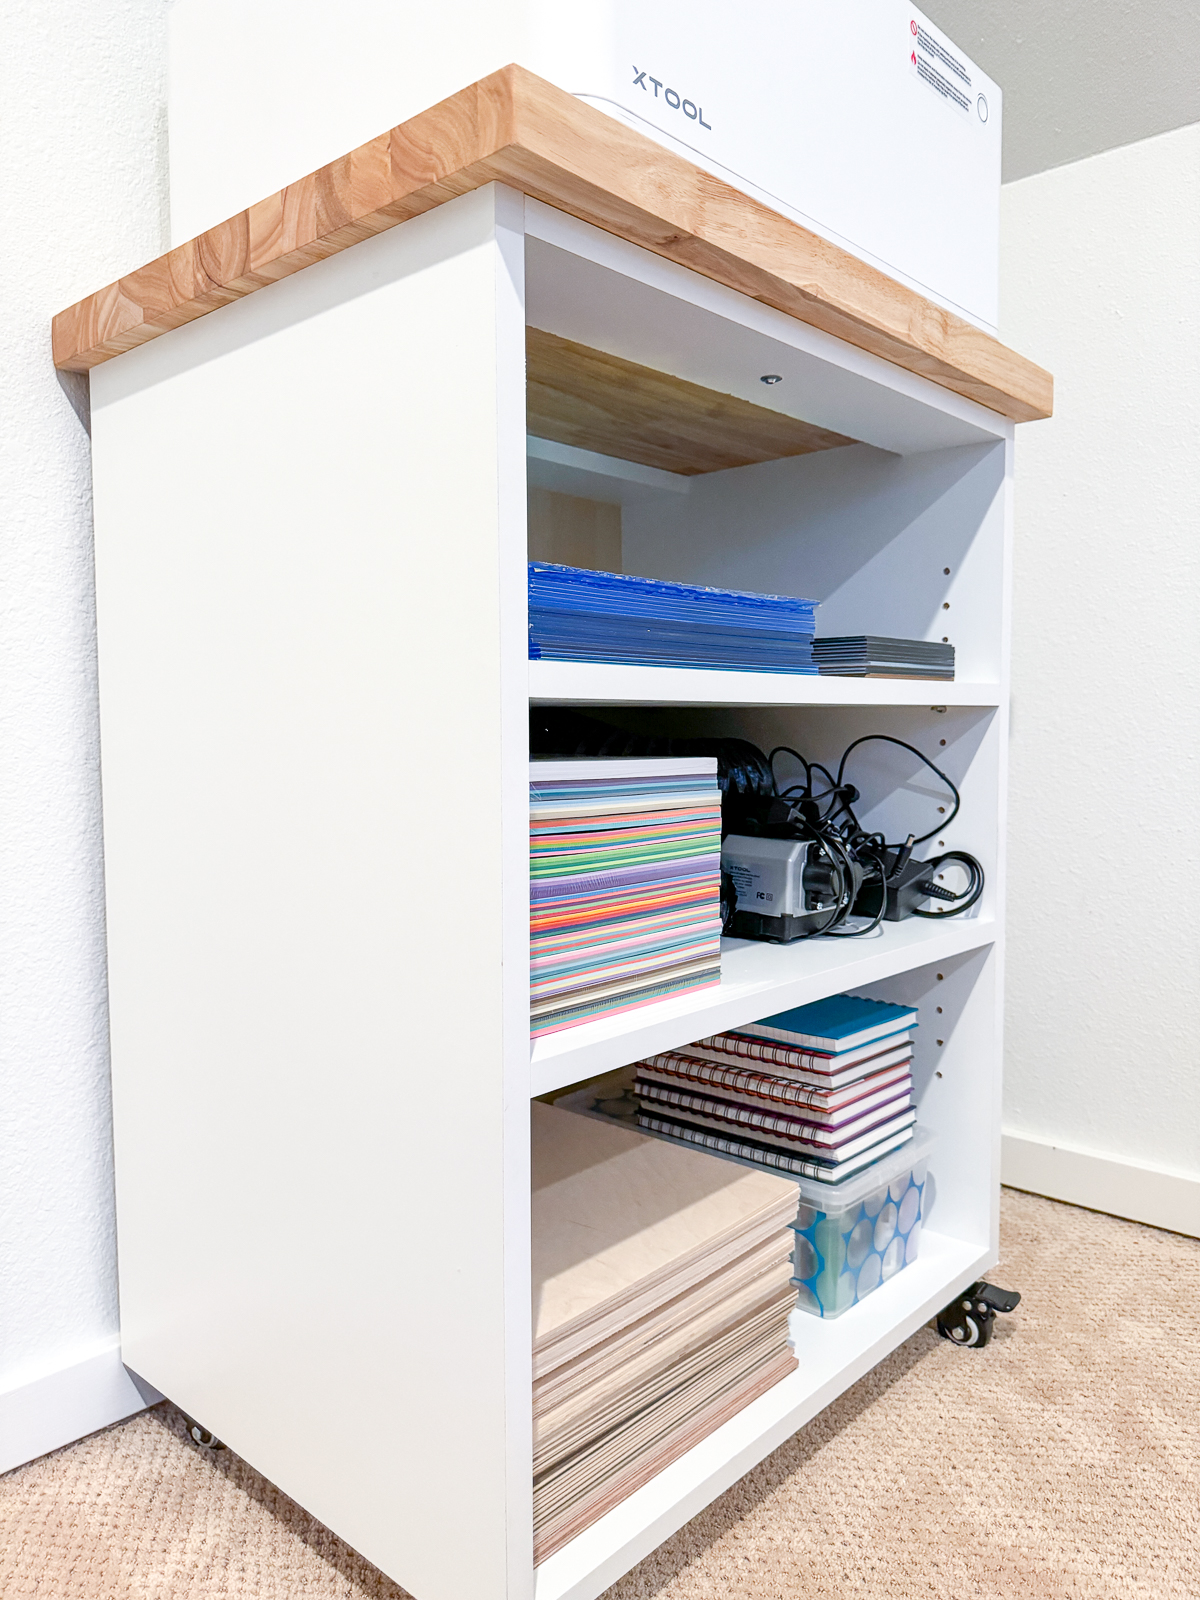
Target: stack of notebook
<point x="625" y="885"/>
<point x="867" y="656"/>
<point x="661" y="1292"/>
<point x="818" y="1092"/>
<point x="579" y="615"/>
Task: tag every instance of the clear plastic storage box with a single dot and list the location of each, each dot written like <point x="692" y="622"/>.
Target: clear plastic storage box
<point x="853" y="1236"/>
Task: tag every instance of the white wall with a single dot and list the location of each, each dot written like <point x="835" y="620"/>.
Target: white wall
<point x="1100" y="280"/>
<point x="83" y="135"/>
<point x="1081" y="77"/>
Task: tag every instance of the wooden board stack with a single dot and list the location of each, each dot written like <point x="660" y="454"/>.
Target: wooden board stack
<point x="661" y="1293"/>
<point x="625" y="885"/>
<point x="820" y="1091"/>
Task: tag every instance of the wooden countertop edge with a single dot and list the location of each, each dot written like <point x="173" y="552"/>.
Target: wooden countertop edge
<point x="515" y="128"/>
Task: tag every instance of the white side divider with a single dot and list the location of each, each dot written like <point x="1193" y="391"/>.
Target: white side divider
<point x="310" y="529"/>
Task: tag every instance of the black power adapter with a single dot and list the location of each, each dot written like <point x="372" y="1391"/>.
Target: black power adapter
<point x="907" y="883"/>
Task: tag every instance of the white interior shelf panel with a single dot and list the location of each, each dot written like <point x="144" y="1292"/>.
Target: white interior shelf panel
<point x="831" y="1355"/>
<point x="756" y="981"/>
<point x="579" y="683"/>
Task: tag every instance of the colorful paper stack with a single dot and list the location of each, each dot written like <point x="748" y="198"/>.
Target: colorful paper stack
<point x="625" y="885"/>
<point x="576" y="614"/>
<point x="819" y="1092"/>
<point x="662" y="1283"/>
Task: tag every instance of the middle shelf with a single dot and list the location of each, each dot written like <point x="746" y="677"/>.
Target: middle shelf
<point x="757" y="979"/>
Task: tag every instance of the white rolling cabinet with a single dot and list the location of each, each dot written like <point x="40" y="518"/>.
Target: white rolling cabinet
<point x="310" y="549"/>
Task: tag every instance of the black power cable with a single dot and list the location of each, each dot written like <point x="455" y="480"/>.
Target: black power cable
<point x="854" y="842"/>
<point x="960" y="902"/>
<point x="887" y="738"/>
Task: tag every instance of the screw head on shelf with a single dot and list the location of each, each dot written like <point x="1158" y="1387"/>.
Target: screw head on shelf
<point x="771" y="377"/>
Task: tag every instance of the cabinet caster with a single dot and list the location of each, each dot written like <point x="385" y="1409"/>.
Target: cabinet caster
<point x="968" y="1320"/>
<point x="201" y="1436"/>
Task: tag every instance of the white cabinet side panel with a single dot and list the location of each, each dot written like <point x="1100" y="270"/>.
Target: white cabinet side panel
<point x="301" y="520"/>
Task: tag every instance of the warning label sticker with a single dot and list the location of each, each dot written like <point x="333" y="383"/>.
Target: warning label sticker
<point x="940" y="69"/>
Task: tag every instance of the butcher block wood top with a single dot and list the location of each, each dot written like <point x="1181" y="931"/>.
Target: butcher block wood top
<point x="579" y="396"/>
<point x="515" y="128"/>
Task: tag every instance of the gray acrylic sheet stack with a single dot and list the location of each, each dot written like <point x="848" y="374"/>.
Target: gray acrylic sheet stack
<point x="661" y="1292"/>
<point x="868" y="655"/>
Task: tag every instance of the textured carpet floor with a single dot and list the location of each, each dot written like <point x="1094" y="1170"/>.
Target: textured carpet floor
<point x="1064" y="1460"/>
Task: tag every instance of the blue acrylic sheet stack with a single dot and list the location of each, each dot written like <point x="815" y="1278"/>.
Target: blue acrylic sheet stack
<point x="579" y="615"/>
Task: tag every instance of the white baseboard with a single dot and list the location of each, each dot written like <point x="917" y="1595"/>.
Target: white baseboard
<point x="1102" y="1183"/>
<point x="64" y="1405"/>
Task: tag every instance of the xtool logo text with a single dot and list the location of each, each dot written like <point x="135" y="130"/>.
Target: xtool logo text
<point x="674" y="99"/>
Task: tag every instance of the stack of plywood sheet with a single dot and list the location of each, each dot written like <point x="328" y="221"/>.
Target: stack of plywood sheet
<point x="661" y="1292"/>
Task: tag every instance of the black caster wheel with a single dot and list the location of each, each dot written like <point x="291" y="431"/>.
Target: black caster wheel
<point x="201" y="1436"/>
<point x="969" y="1321"/>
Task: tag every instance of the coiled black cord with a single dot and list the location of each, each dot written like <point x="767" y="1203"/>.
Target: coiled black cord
<point x="887" y="738"/>
<point x="960" y="902"/>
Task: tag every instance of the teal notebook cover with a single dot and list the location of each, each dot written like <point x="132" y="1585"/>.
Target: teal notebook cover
<point x="840" y="1017"/>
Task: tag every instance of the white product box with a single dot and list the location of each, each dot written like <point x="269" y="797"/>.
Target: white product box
<point x="857" y="118"/>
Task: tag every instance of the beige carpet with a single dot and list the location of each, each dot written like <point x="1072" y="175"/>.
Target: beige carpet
<point x="1064" y="1460"/>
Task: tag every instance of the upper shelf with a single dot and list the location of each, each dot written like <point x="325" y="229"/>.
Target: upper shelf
<point x="515" y="128"/>
<point x="584" y="683"/>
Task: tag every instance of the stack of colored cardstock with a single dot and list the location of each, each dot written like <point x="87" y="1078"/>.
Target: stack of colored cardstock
<point x="625" y="885"/>
<point x="820" y="1091"/>
<point x="662" y="1283"/>
<point x="576" y="614"/>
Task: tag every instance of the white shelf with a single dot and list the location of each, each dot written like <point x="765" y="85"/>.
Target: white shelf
<point x="580" y="683"/>
<point x="832" y="1355"/>
<point x="756" y="980"/>
<point x="566" y="468"/>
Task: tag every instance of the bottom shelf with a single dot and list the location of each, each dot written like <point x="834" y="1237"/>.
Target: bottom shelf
<point x="832" y="1356"/>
